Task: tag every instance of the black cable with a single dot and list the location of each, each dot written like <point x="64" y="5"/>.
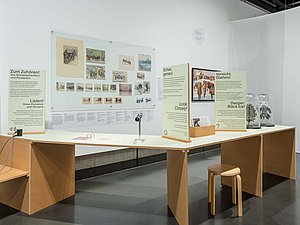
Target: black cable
<point x="10" y="150"/>
<point x="14" y="135"/>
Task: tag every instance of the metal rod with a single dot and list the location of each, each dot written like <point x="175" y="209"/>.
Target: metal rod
<point x="137" y="156"/>
<point x="140" y="129"/>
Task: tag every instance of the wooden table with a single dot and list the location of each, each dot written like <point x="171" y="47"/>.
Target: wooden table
<point x="46" y="175"/>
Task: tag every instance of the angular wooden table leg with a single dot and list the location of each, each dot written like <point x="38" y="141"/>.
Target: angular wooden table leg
<point x="247" y="155"/>
<point x="279" y="154"/>
<point x="52" y="176"/>
<point x="177" y="178"/>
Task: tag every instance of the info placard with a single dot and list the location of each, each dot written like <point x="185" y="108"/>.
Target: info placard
<point x="26" y="100"/>
<point x="176" y="106"/>
<point x="230" y="111"/>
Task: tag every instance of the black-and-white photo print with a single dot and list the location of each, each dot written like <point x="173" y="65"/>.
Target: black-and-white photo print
<point x="70" y="55"/>
<point x="95" y="72"/>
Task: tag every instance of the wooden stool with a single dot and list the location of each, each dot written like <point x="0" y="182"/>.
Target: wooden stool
<point x="225" y="171"/>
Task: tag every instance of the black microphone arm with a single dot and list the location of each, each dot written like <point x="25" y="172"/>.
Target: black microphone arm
<point x="138" y="117"/>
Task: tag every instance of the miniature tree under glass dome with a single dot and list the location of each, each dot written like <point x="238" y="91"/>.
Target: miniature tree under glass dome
<point x="252" y="112"/>
<point x="266" y="111"/>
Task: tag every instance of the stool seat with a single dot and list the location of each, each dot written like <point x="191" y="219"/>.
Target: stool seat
<point x="224" y="170"/>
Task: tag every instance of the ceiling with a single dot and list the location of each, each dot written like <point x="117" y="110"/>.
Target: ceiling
<point x="273" y="6"/>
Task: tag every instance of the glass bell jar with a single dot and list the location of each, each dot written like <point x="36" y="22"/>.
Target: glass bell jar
<point x="266" y="111"/>
<point x="252" y="112"/>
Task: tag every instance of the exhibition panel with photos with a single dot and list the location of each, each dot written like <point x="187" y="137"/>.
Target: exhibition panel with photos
<point x="91" y="75"/>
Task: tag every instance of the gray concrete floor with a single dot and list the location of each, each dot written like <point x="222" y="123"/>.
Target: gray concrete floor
<point x="138" y="197"/>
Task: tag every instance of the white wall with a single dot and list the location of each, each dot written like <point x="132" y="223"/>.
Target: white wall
<point x="257" y="46"/>
<point x="268" y="49"/>
<point x="165" y="25"/>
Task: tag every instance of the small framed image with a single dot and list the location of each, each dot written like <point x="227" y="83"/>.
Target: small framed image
<point x="140" y="75"/>
<point x="203" y="84"/>
<point x="139" y="100"/>
<point x="95" y="56"/>
<point x="119" y="76"/>
<point x="113" y="88"/>
<point x="86" y="100"/>
<point x="148" y="100"/>
<point x="95" y="72"/>
<point x="79" y="87"/>
<point x="118" y="100"/>
<point x="97" y="87"/>
<point x="125" y="89"/>
<point x="105" y="87"/>
<point x="108" y="100"/>
<point x="144" y="62"/>
<point x="138" y="88"/>
<point x="146" y="85"/>
<point x="88" y="87"/>
<point x="97" y="100"/>
<point x="200" y="121"/>
<point x="70" y="55"/>
<point x="126" y="62"/>
<point x="70" y="86"/>
<point x="60" y="86"/>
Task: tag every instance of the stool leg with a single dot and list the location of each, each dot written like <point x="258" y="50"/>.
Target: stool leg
<point x="209" y="187"/>
<point x="233" y="189"/>
<point x="240" y="201"/>
<point x="213" y="196"/>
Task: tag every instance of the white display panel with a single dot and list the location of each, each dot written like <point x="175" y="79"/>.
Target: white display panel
<point x="176" y="102"/>
<point x="26" y="100"/>
<point x="230" y="110"/>
<point x="93" y="74"/>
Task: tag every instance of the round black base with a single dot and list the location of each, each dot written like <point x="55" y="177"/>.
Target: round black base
<point x="253" y="127"/>
<point x="272" y="125"/>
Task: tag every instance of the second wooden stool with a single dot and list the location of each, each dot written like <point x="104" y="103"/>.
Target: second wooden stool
<point x="225" y="171"/>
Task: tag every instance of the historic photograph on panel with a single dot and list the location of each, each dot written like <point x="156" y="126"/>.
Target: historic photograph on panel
<point x="70" y="86"/>
<point x="95" y="72"/>
<point x="79" y="87"/>
<point x="86" y="100"/>
<point x="139" y="100"/>
<point x="140" y="76"/>
<point x="126" y="62"/>
<point x="70" y="55"/>
<point x="60" y="86"/>
<point x="97" y="100"/>
<point x="148" y="100"/>
<point x="88" y="87"/>
<point x="108" y="100"/>
<point x="105" y="87"/>
<point x="97" y="87"/>
<point x="125" y="89"/>
<point x="69" y="58"/>
<point x="95" y="56"/>
<point x="203" y="84"/>
<point x="119" y="76"/>
<point x="118" y="100"/>
<point x="146" y="85"/>
<point x="113" y="88"/>
<point x="145" y="62"/>
<point x="138" y="88"/>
